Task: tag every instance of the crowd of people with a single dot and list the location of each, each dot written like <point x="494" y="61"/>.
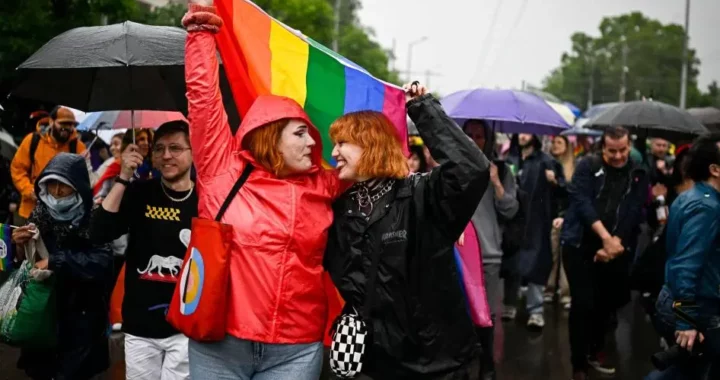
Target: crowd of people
<point x="556" y="219"/>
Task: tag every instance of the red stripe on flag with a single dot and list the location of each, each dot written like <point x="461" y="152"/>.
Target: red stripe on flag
<point x="244" y="46"/>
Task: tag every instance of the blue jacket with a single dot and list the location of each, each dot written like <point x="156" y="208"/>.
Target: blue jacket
<point x="587" y="182"/>
<point x="692" y="271"/>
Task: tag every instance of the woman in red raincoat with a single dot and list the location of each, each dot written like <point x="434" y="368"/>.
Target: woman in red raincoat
<point x="277" y="301"/>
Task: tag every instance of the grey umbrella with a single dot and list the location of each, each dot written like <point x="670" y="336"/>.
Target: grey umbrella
<point x="127" y="66"/>
<point x="709" y="116"/>
<point x="649" y="119"/>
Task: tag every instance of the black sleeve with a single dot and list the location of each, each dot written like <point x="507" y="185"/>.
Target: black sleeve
<point x="107" y="226"/>
<point x="89" y="264"/>
<point x="580" y="192"/>
<point x="559" y="191"/>
<point x="452" y="191"/>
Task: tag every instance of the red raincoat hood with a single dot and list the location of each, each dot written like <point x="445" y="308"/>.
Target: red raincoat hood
<point x="269" y="108"/>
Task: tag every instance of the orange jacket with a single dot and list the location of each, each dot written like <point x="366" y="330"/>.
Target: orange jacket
<point x="277" y="294"/>
<point x="23" y="177"/>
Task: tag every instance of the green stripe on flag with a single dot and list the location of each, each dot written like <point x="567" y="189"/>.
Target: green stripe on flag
<point x="325" y="100"/>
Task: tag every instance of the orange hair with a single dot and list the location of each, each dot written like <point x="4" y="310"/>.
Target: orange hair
<point x="262" y="142"/>
<point x="382" y="155"/>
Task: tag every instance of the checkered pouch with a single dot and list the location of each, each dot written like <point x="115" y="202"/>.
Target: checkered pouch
<point x="347" y="349"/>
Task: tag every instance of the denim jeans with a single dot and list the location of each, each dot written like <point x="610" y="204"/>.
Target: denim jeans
<point x="533" y="298"/>
<point x="709" y="321"/>
<point x="234" y="358"/>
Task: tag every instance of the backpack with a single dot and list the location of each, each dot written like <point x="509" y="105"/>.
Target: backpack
<point x="34" y="145"/>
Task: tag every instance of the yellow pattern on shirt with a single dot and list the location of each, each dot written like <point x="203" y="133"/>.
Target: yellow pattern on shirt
<point x="163" y="213"/>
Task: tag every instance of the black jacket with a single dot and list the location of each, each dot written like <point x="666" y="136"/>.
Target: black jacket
<point x="419" y="321"/>
<point x="587" y="182"/>
<point x="83" y="273"/>
<point x="533" y="261"/>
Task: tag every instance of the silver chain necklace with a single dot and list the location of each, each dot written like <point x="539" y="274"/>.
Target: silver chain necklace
<point x="177" y="200"/>
<point x="364" y="198"/>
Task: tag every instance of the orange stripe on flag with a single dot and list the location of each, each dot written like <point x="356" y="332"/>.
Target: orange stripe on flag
<point x="251" y="28"/>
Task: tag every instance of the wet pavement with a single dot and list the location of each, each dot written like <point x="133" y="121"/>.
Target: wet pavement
<point x="521" y="354"/>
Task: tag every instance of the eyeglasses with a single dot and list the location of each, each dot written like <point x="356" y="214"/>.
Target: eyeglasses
<point x="175" y="150"/>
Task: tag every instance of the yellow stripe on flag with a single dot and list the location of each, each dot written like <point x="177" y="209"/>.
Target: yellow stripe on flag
<point x="289" y="63"/>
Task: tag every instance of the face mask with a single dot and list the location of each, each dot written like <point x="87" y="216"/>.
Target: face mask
<point x="64" y="209"/>
<point x="62" y="204"/>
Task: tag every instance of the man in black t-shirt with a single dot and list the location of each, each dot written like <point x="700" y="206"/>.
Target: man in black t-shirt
<point x="607" y="196"/>
<point x="156" y="214"/>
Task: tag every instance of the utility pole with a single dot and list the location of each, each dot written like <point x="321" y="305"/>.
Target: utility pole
<point x="427" y="73"/>
<point x="591" y="87"/>
<point x="409" y="57"/>
<point x="623" y="78"/>
<point x="336" y="33"/>
<point x="392" y="60"/>
<point x="684" y="73"/>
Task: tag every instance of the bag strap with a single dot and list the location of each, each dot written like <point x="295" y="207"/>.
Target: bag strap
<point x="33" y="148"/>
<point x="240" y="182"/>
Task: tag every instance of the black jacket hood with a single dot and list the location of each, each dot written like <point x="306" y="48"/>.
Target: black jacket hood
<point x="73" y="168"/>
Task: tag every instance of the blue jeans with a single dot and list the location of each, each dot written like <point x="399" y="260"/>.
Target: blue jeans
<point x="533" y="298"/>
<point x="234" y="358"/>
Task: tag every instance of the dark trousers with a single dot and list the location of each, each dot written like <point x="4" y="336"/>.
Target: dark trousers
<point x="589" y="314"/>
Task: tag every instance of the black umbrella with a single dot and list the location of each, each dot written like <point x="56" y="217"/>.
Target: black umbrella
<point x="580" y="131"/>
<point x="126" y="66"/>
<point x="649" y="118"/>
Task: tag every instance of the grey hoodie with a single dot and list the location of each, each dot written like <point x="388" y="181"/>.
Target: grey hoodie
<point x="486" y="222"/>
<point x="485" y="219"/>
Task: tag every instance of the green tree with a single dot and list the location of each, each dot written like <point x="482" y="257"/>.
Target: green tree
<point x="653" y="55"/>
<point x="169" y="15"/>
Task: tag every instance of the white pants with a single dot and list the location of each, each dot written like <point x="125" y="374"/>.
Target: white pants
<point x="156" y="359"/>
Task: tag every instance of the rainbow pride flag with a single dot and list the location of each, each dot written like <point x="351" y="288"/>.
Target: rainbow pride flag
<point x="263" y="56"/>
<point x="6" y="253"/>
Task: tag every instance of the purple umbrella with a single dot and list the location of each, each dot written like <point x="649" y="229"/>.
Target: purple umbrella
<point x="510" y="111"/>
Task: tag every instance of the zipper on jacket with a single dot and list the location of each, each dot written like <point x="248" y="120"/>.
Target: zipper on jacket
<point x="617" y="212"/>
<point x="582" y="230"/>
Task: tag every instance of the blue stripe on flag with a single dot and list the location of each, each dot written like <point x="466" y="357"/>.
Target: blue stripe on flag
<point x="362" y="92"/>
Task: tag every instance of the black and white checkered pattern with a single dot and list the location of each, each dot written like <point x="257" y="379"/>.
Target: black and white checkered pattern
<point x="348" y="346"/>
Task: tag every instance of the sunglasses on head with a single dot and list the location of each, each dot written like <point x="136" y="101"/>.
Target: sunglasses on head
<point x="69" y="124"/>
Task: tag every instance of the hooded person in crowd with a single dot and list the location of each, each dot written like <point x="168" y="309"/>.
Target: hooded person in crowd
<point x="390" y="248"/>
<point x="499" y="203"/>
<point x="82" y="269"/>
<point x="277" y="304"/>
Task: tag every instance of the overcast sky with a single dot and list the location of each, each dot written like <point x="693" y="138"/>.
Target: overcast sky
<point x="527" y="40"/>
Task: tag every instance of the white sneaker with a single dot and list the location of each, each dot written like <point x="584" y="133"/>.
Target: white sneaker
<point x="565" y="301"/>
<point x="509" y="313"/>
<point x="536" y="321"/>
<point x="548" y="297"/>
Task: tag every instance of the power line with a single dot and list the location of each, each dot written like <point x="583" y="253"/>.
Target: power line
<point x="491" y="29"/>
<point x="518" y="17"/>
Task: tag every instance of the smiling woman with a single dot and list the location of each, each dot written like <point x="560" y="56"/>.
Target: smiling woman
<point x="279" y="219"/>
